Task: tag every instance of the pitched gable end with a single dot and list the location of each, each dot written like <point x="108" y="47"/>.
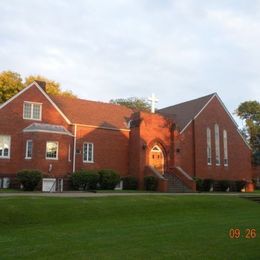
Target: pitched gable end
<point x="40" y="88"/>
<point x="185" y="112"/>
<point x="233" y="120"/>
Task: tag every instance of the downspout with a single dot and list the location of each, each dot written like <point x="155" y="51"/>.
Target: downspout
<point x="194" y="148"/>
<point x="74" y="148"/>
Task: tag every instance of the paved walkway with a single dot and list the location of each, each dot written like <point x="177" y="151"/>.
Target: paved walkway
<point x="108" y="194"/>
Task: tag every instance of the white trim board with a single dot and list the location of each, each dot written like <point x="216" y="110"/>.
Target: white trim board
<point x="103" y="127"/>
<point x="226" y="110"/>
<point x="198" y="113"/>
<point x="43" y="92"/>
<point x="233" y="120"/>
<point x="47" y="131"/>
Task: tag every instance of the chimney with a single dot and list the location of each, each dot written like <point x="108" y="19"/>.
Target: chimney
<point x="42" y="84"/>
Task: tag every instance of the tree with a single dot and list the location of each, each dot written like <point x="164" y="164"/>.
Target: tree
<point x="52" y="87"/>
<point x="249" y="111"/>
<point x="10" y="84"/>
<point x="135" y="103"/>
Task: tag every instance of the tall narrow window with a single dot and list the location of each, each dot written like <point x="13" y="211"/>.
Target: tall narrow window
<point x="209" y="158"/>
<point x="88" y="152"/>
<point x="225" y="148"/>
<point x="52" y="150"/>
<point x="217" y="148"/>
<point x="32" y="111"/>
<point x="5" y="144"/>
<point x="69" y="152"/>
<point x="28" y="151"/>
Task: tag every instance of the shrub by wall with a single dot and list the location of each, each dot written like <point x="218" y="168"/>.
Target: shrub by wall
<point x="239" y="185"/>
<point x="199" y="184"/>
<point x="150" y="183"/>
<point x="219" y="185"/>
<point x="85" y="180"/>
<point x="207" y="184"/>
<point x="224" y="185"/>
<point x="129" y="183"/>
<point x="108" y="179"/>
<point x="29" y="179"/>
<point x="203" y="184"/>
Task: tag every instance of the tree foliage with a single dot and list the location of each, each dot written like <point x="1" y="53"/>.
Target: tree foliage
<point x="135" y="103"/>
<point x="52" y="87"/>
<point x="249" y="111"/>
<point x="10" y="84"/>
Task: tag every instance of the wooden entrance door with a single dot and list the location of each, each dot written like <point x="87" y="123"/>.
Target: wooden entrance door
<point x="156" y="159"/>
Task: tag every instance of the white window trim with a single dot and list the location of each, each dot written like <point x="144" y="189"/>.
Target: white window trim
<point x="225" y="147"/>
<point x="32" y="103"/>
<point x="26" y="150"/>
<point x="156" y="149"/>
<point x="57" y="154"/>
<point x="9" y="150"/>
<point x="87" y="161"/>
<point x="209" y="145"/>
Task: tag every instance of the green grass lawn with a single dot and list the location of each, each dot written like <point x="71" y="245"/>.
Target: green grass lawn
<point x="136" y="227"/>
<point x="9" y="190"/>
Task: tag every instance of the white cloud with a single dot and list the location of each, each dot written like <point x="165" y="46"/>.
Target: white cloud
<point x="107" y="49"/>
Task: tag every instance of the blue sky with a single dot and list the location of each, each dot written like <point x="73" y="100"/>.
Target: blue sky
<point x="101" y="50"/>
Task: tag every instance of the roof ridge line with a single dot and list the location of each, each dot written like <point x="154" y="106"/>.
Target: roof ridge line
<point x="91" y="101"/>
<point x="212" y="94"/>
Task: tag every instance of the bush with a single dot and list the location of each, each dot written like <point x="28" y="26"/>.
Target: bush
<point x="203" y="184"/>
<point x="207" y="183"/>
<point x="150" y="183"/>
<point x="92" y="178"/>
<point x="85" y="180"/>
<point x="199" y="184"/>
<point x="223" y="185"/>
<point x="239" y="185"/>
<point x="108" y="179"/>
<point x="29" y="179"/>
<point x="129" y="183"/>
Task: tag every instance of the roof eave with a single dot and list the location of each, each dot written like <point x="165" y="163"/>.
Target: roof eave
<point x="43" y="92"/>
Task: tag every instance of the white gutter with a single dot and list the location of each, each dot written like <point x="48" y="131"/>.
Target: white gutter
<point x="74" y="148"/>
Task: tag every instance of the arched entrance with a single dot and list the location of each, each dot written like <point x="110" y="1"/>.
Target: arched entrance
<point x="156" y="158"/>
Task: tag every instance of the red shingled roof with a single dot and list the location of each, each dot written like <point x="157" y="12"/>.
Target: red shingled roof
<point x="93" y="113"/>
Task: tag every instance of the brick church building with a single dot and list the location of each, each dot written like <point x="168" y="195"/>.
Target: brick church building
<point x="59" y="135"/>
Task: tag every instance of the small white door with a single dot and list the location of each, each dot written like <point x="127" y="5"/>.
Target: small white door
<point x="48" y="185"/>
<point x="6" y="183"/>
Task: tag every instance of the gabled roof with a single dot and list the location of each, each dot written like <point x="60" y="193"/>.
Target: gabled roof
<point x="47" y="128"/>
<point x="92" y="113"/>
<point x="41" y="88"/>
<point x="185" y="112"/>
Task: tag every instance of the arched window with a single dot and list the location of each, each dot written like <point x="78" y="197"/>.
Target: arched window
<point x="217" y="148"/>
<point x="209" y="158"/>
<point x="156" y="149"/>
<point x="225" y="148"/>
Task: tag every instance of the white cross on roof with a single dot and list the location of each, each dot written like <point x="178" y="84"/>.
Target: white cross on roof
<point x="153" y="100"/>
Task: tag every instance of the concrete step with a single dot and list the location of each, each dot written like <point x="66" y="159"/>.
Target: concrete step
<point x="175" y="184"/>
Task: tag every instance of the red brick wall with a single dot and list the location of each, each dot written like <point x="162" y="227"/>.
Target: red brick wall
<point x="12" y="123"/>
<point x="150" y="129"/>
<point x="60" y="167"/>
<point x="110" y="149"/>
<point x="135" y="151"/>
<point x="185" y="157"/>
<point x="125" y="151"/>
<point x="239" y="155"/>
